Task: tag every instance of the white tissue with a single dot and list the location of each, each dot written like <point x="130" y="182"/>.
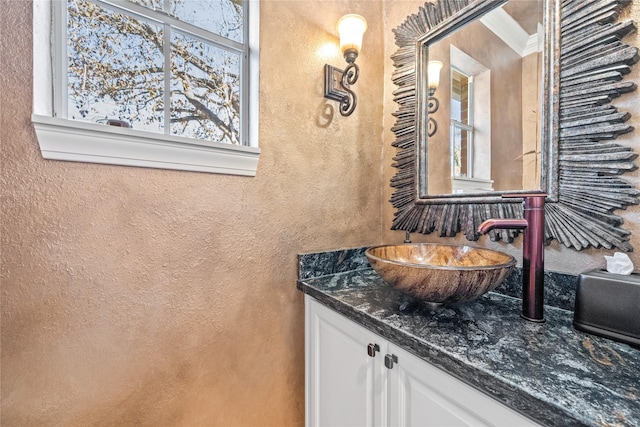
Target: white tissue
<point x="619" y="263"/>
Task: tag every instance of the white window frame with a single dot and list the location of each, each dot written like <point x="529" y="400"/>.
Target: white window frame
<point x="72" y="140"/>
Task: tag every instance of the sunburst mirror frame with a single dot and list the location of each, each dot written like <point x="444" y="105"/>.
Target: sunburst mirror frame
<point x="581" y="167"/>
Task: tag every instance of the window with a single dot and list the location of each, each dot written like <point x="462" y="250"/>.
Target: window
<point x="470" y="96"/>
<point x="155" y="83"/>
<point x="461" y="124"/>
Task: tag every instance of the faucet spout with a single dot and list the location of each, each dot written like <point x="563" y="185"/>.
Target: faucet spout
<point x="507" y="223"/>
<point x="532" y="251"/>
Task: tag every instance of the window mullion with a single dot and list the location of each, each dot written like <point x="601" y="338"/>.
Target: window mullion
<point x="167" y="78"/>
<point x="470" y="172"/>
<point x="470" y="114"/>
<point x="461" y="125"/>
<point x="244" y="80"/>
<point x="166" y="6"/>
<point x="60" y="58"/>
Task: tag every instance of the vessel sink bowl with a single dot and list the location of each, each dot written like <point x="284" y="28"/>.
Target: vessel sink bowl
<point x="438" y="273"/>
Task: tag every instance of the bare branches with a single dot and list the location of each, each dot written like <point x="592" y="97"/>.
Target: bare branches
<point x="117" y="69"/>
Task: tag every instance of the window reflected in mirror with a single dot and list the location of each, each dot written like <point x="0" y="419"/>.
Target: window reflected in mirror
<point x="461" y="124"/>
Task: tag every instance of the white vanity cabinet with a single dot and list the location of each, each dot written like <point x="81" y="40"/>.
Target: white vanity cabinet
<point x="356" y="378"/>
<point x="345" y="385"/>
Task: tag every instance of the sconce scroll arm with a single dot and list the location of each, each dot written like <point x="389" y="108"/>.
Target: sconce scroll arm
<point x="349" y="77"/>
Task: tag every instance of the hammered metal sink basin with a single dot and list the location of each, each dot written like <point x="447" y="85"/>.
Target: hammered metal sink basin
<point x="438" y="273"/>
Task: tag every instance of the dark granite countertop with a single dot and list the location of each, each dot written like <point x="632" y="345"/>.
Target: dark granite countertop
<point x="549" y="372"/>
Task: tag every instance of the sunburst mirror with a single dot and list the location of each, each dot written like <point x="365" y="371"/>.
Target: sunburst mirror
<point x="451" y="172"/>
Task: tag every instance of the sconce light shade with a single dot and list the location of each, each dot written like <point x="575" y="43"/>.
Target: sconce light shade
<point x="433" y="74"/>
<point x="351" y="28"/>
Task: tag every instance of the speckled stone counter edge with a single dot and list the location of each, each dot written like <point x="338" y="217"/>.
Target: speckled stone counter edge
<point x="318" y="264"/>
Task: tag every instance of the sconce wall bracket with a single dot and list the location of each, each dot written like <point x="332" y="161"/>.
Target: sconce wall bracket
<point x="337" y="86"/>
<point x="332" y="79"/>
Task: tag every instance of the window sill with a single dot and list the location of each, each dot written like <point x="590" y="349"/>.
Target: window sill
<point x="62" y="139"/>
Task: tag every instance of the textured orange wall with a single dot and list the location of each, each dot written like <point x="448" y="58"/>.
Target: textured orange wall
<point x="148" y="297"/>
<point x="557" y="257"/>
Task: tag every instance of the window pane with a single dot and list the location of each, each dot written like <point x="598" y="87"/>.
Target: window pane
<point x="459" y="97"/>
<point x="205" y="91"/>
<point x="115" y="67"/>
<point x="460" y="143"/>
<point x="222" y="17"/>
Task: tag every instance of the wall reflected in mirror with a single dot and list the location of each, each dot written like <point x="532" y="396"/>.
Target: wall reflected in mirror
<point x="490" y="96"/>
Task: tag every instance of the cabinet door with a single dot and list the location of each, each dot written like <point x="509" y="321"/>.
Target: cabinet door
<point x="344" y="384"/>
<point x="423" y="395"/>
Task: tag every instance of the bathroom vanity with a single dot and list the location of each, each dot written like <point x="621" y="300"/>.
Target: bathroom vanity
<point x="358" y="378"/>
<point x="376" y="357"/>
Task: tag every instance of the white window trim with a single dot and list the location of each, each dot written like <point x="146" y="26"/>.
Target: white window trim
<point x="63" y="139"/>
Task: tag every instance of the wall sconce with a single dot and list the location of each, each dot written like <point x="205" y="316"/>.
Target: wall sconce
<point x="351" y="28"/>
<point x="433" y="104"/>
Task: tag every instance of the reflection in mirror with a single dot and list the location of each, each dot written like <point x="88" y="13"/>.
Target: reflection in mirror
<point x="433" y="78"/>
<point x="490" y="96"/>
<point x="564" y="144"/>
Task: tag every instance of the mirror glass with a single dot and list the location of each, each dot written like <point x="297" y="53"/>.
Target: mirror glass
<point x="483" y="104"/>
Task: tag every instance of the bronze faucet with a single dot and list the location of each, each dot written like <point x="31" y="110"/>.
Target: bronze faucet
<point x="532" y="251"/>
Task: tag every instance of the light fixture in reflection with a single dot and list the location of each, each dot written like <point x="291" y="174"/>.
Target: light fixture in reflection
<point x="433" y="104"/>
<point x="433" y="75"/>
<point x="337" y="83"/>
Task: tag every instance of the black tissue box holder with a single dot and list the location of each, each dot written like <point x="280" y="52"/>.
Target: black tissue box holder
<point x="608" y="305"/>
